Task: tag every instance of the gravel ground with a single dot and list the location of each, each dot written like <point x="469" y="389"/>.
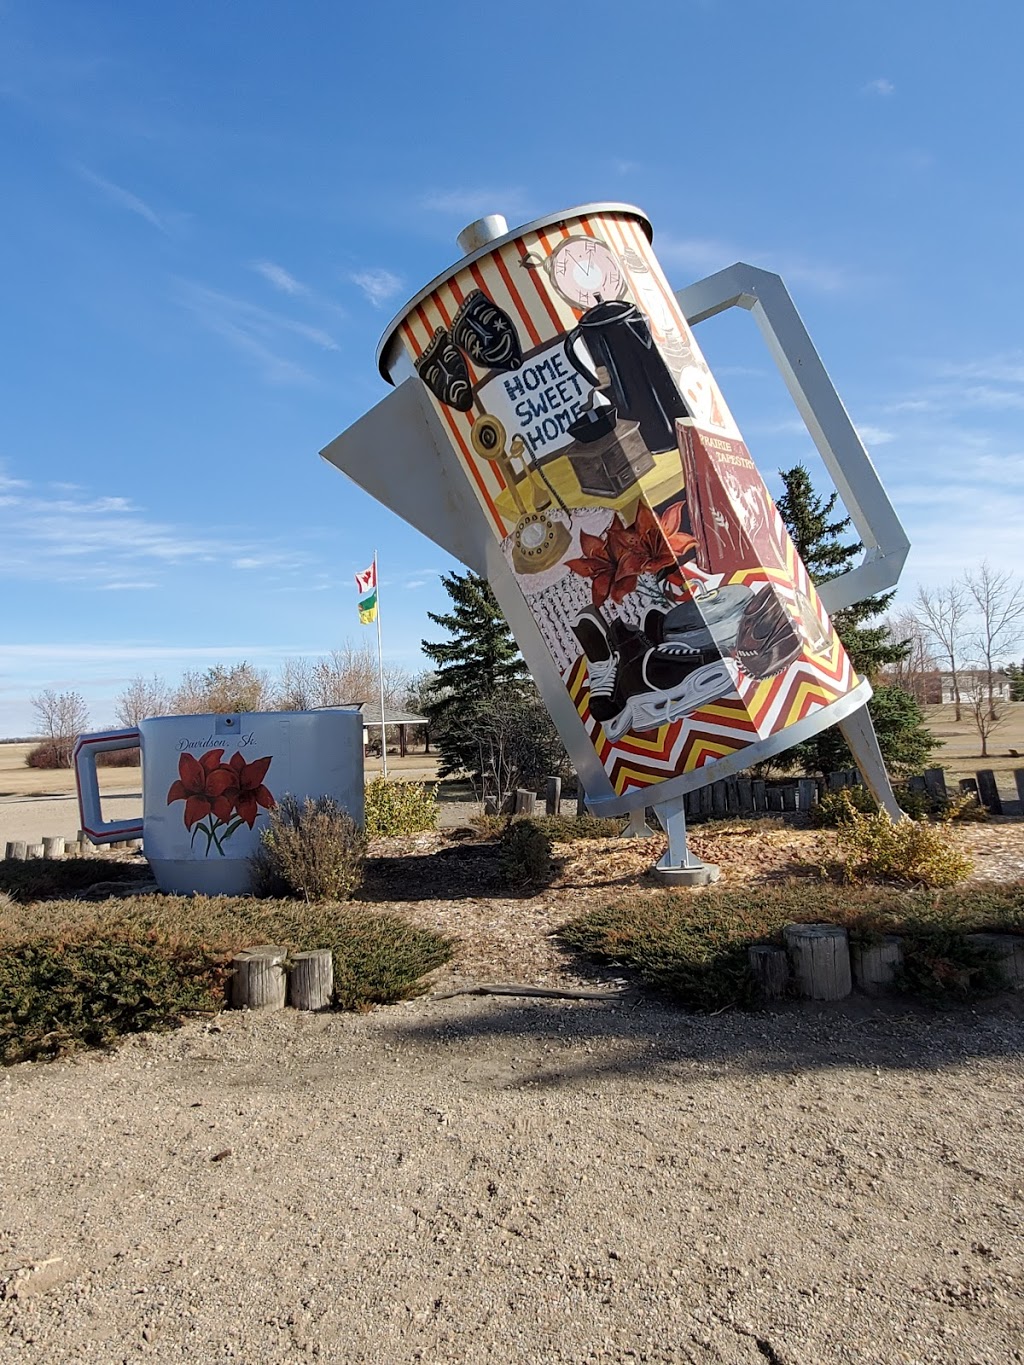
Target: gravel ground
<point x="481" y="1179"/>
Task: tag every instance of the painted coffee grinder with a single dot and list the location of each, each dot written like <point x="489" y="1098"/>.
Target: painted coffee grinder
<point x="555" y="427"/>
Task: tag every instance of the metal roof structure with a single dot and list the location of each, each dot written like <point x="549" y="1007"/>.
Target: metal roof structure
<point x="370" y="711"/>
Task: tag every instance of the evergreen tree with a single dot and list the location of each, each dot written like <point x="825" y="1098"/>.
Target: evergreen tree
<point x="817" y="534"/>
<point x="474" y="666"/>
<point x="1015" y="673"/>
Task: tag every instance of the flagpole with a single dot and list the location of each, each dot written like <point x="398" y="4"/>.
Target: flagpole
<point x="380" y="674"/>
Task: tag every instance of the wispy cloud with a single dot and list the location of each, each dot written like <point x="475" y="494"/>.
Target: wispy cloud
<point x="255" y="332"/>
<point x="705" y="255"/>
<point x="874" y="436"/>
<point x="110" y="544"/>
<point x="378" y="285"/>
<point x="994" y="384"/>
<point x="475" y="202"/>
<point x="280" y="278"/>
<point x="125" y="199"/>
<point x="880" y="86"/>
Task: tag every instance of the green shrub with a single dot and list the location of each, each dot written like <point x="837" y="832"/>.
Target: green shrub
<point x="524" y="853"/>
<point x="939" y="962"/>
<point x="832" y="809"/>
<point x="911" y="851"/>
<point x="399" y="807"/>
<point x="56" y="996"/>
<point x="694" y="947"/>
<point x="313" y="849"/>
<point x="74" y="974"/>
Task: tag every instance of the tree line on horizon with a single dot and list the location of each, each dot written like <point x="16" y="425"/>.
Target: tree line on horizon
<point x="486" y="717"/>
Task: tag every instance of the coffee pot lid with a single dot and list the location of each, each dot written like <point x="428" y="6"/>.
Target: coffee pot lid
<point x="478" y="231"/>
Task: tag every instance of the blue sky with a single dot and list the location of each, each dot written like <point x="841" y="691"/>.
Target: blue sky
<point x="209" y="212"/>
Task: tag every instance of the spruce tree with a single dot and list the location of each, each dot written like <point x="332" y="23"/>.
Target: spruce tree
<point x="817" y="533"/>
<point x="479" y="660"/>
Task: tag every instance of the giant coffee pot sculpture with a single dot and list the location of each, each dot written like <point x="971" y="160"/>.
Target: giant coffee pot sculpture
<point x="556" y="428"/>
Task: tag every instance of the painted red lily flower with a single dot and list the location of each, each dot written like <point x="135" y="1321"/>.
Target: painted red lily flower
<point x="245" y="789"/>
<point x="680" y="542"/>
<point x="202" y="783"/>
<point x="652" y="546"/>
<point x="598" y="564"/>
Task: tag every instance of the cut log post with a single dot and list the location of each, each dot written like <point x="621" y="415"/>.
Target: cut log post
<point x="692" y="803"/>
<point x="311" y="980"/>
<point x="758" y="793"/>
<point x="988" y="792"/>
<point x="53" y="846"/>
<point x="918" y="784"/>
<point x="969" y="787"/>
<point x="789" y="797"/>
<point x="935" y="783"/>
<point x="769" y="967"/>
<point x="732" y="796"/>
<point x="553" y="796"/>
<point x="745" y="795"/>
<point x="16" y="849"/>
<point x="1018" y="777"/>
<point x="718" y="800"/>
<point x="581" y="800"/>
<point x="1009" y="951"/>
<point x="807" y="793"/>
<point x="84" y="846"/>
<point x="526" y="802"/>
<point x="820" y="954"/>
<point x="875" y="965"/>
<point x="773" y="799"/>
<point x="33" y="850"/>
<point x="835" y="781"/>
<point x="258" y="982"/>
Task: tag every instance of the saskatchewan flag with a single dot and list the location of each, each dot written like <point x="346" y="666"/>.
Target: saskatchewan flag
<point x="368" y="609"/>
<point x="367" y="585"/>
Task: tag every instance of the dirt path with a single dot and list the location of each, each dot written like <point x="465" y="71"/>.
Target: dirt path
<point x="479" y="1179"/>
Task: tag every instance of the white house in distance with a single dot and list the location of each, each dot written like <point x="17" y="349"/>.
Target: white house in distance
<point x="974" y="686"/>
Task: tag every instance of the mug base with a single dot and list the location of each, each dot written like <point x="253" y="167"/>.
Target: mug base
<point x="190" y="877"/>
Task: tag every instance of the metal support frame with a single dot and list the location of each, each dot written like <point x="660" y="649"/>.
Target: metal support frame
<point x="678" y="866"/>
<point x="765" y="296"/>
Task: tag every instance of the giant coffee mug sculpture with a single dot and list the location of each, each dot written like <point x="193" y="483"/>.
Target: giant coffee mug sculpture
<point x="209" y="781"/>
<point x="557" y="429"/>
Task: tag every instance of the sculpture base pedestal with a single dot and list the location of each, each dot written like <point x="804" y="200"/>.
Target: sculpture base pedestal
<point x="700" y="874"/>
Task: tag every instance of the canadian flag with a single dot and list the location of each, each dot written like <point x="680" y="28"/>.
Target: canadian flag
<point x="367" y="581"/>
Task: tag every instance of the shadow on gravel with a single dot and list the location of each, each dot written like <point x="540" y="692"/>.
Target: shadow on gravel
<point x="645" y="1038"/>
<point x="460" y="871"/>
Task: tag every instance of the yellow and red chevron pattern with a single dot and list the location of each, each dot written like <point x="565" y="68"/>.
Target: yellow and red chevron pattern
<point x="757" y="709"/>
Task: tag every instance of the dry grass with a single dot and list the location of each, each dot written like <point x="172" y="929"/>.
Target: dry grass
<point x="960" y="754"/>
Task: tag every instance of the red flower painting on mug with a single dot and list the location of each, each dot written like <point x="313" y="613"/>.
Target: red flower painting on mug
<point x="220" y="797"/>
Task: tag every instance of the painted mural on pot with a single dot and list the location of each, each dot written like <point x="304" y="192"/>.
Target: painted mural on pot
<point x="220" y="797"/>
<point x="653" y="560"/>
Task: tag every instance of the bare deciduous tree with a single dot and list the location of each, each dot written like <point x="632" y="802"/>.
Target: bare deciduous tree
<point x="62" y="718"/>
<point x="223" y="688"/>
<point x="942" y="614"/>
<point x="915" y="672"/>
<point x="998" y="599"/>
<point x="141" y="698"/>
<point x="985" y="717"/>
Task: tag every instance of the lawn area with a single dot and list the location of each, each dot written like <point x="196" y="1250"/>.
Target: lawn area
<point x="960" y="754"/>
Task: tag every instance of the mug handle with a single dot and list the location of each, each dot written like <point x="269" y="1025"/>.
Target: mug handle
<point x="98" y="830"/>
<point x="574" y="360"/>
